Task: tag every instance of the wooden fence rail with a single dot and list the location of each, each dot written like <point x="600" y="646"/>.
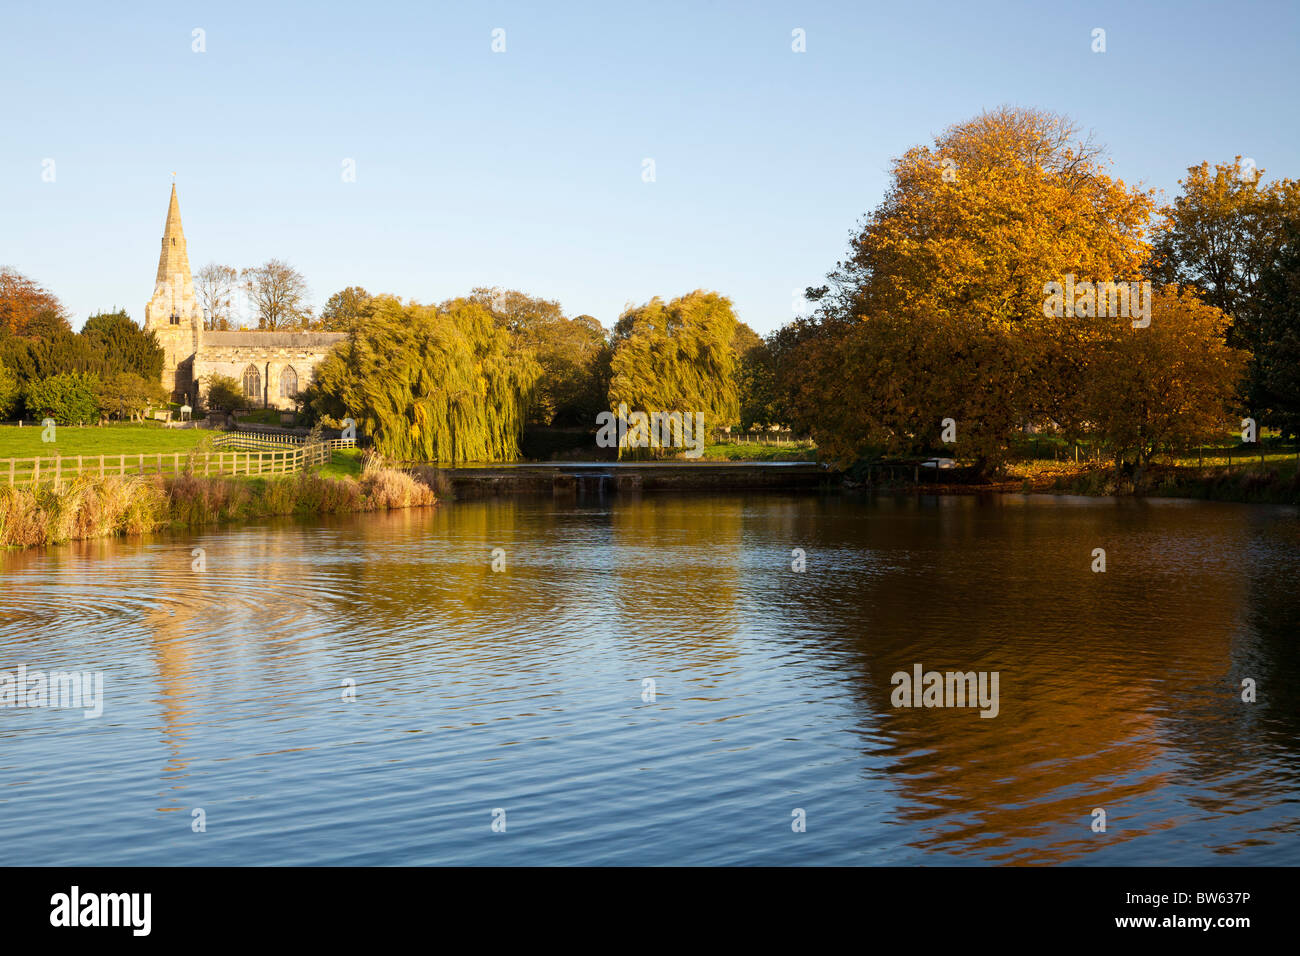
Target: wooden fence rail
<point x="252" y="441"/>
<point x="761" y="438"/>
<point x="58" y="469"/>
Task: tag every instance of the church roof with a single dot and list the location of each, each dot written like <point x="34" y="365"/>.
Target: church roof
<point x="274" y="339"/>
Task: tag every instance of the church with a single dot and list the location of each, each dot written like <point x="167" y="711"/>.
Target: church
<point x="272" y="367"/>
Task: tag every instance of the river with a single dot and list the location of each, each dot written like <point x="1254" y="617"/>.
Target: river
<point x="648" y="680"/>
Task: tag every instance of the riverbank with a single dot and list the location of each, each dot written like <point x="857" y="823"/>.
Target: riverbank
<point x="563" y="479"/>
<point x="95" y="507"/>
<point x="1277" y="482"/>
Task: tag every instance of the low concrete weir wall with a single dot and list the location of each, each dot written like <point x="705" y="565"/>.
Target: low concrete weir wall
<point x="571" y="478"/>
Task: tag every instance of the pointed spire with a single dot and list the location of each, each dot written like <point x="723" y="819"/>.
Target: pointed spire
<point x="173" y="299"/>
<point x="172" y="230"/>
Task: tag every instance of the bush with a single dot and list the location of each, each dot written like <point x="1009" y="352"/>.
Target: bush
<point x="224" y="393"/>
<point x="10" y="392"/>
<point x="125" y="395"/>
<point x="70" y="398"/>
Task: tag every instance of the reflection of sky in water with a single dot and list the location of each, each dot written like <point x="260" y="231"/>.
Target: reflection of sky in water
<point x="522" y="690"/>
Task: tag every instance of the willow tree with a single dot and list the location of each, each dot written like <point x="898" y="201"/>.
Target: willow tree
<point x="430" y="384"/>
<point x="677" y="357"/>
<point x="937" y="311"/>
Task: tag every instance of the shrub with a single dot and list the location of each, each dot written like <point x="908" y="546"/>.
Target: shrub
<point x="70" y="398"/>
<point x="224" y="394"/>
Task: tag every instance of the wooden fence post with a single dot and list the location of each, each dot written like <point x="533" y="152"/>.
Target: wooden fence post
<point x="36" y="470"/>
<point x="142" y="464"/>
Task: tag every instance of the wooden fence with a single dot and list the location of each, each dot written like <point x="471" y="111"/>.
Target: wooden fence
<point x="223" y="461"/>
<point x="257" y="441"/>
<point x="760" y="438"/>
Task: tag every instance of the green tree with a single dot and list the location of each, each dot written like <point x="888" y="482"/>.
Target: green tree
<point x="430" y="383"/>
<point x="573" y="354"/>
<point x="1273" y="378"/>
<point x="54" y="354"/>
<point x="10" y="392"/>
<point x="223" y="394"/>
<point x="755" y="379"/>
<point x="344" y="309"/>
<point x="69" y="398"/>
<point x="677" y="357"/>
<point x="126" y="395"/>
<point x="123" y="345"/>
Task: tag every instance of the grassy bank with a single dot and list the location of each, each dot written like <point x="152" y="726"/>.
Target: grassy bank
<point x="119" y="438"/>
<point x="92" y="507"/>
<point x="1276" y="481"/>
<point x="755" y="451"/>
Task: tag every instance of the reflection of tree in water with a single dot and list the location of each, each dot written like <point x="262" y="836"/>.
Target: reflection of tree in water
<point x="674" y="577"/>
<point x="1239" y="753"/>
<point x="1095" y="668"/>
<point x="431" y="580"/>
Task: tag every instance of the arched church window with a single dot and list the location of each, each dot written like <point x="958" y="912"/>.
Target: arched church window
<point x="252" y="383"/>
<point x="288" y="382"/>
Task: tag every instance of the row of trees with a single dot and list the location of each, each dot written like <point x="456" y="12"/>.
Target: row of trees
<point x="110" y="369"/>
<point x="273" y="295"/>
<point x="80" y="398"/>
<point x="938" y="311"/>
<point x="460" y="380"/>
<point x="456" y="380"/>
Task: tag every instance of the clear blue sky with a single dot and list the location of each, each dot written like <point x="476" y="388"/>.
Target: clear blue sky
<point x="524" y="169"/>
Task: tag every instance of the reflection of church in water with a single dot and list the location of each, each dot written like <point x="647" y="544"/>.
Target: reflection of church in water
<point x="272" y="366"/>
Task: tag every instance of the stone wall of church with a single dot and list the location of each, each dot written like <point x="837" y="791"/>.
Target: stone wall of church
<point x="283" y="362"/>
<point x="179" y="344"/>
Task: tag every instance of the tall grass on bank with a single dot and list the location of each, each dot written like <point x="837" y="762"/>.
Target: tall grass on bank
<point x="1276" y="485"/>
<point x="86" y="507"/>
<point x="90" y="507"/>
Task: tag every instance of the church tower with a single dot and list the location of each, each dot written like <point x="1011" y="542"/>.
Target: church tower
<point x="173" y="313"/>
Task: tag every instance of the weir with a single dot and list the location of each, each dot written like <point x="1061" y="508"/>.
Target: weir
<point x="600" y="479"/>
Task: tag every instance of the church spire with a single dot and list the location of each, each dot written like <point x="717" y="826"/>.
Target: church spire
<point x="173" y="261"/>
<point x="172" y="230"/>
<point x="173" y="302"/>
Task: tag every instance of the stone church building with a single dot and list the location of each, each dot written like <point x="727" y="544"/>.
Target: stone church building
<point x="272" y="367"/>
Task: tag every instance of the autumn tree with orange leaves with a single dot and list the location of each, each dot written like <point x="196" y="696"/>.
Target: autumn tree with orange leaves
<point x="27" y="309"/>
<point x="938" y="310"/>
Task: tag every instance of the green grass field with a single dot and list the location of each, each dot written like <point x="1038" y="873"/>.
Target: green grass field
<point x="129" y="438"/>
<point x="753" y="451"/>
<point x="345" y="462"/>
